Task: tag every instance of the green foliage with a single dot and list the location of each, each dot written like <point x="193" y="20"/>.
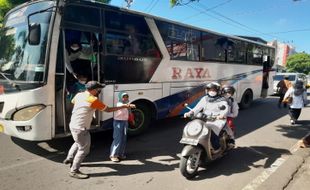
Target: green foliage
<point x="180" y="2"/>
<point x="299" y="62"/>
<point x="6" y="5"/>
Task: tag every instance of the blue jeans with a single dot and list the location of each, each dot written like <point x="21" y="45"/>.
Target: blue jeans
<point x="119" y="138"/>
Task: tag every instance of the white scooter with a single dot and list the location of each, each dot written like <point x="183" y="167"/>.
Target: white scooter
<point x="202" y="145"/>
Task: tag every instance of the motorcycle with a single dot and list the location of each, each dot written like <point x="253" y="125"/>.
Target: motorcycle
<point x="201" y="144"/>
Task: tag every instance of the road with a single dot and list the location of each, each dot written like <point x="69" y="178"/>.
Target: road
<point x="264" y="141"/>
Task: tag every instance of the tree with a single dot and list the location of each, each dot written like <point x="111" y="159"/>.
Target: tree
<point x="180" y="2"/>
<point x="6" y="5"/>
<point x="299" y="62"/>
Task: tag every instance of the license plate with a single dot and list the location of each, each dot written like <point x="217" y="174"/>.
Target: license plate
<point x="1" y="128"/>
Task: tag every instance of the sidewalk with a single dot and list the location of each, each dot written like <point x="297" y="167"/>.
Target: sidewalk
<point x="293" y="174"/>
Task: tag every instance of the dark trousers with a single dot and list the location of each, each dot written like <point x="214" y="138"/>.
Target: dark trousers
<point x="280" y="100"/>
<point x="294" y="113"/>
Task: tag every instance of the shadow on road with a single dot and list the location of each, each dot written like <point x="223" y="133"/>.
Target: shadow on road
<point x="161" y="142"/>
<point x="232" y="163"/>
<point x="260" y="113"/>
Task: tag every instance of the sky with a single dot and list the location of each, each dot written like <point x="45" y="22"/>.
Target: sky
<point x="286" y="21"/>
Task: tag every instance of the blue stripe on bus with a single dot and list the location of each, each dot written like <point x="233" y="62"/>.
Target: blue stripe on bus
<point x="170" y="104"/>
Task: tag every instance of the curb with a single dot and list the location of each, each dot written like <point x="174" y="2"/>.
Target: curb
<point x="285" y="173"/>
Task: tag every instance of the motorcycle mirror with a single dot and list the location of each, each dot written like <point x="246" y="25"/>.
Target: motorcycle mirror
<point x="185" y="105"/>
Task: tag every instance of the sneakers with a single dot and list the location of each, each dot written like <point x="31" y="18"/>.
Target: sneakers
<point x="114" y="159"/>
<point x="292" y="122"/>
<point x="78" y="175"/>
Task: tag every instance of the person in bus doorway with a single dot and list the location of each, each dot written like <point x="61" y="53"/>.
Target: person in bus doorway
<point x="76" y="87"/>
<point x="299" y="99"/>
<point x="233" y="111"/>
<point x="85" y="104"/>
<point x="74" y="64"/>
<point x="282" y="87"/>
<point x="120" y="126"/>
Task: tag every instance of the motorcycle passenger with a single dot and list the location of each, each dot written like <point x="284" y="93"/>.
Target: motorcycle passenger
<point x="228" y="92"/>
<point x="212" y="104"/>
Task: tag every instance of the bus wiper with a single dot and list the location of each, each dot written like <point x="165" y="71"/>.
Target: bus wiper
<point x="10" y="81"/>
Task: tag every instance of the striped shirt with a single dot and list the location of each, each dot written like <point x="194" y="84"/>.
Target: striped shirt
<point x="85" y="104"/>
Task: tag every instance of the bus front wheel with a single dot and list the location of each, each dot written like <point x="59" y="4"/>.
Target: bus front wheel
<point x="246" y="99"/>
<point x="141" y="119"/>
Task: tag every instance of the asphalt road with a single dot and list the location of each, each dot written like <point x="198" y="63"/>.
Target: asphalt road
<point x="265" y="139"/>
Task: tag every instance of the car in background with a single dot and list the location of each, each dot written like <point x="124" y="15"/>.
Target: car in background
<point x="293" y="77"/>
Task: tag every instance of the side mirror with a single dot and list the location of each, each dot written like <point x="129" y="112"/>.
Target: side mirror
<point x="34" y="34"/>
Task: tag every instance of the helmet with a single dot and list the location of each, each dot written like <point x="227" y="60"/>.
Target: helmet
<point x="228" y="89"/>
<point x="213" y="85"/>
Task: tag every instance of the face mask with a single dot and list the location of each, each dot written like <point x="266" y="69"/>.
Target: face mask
<point x="212" y="93"/>
<point x="74" y="48"/>
<point x="82" y="81"/>
<point x="227" y="95"/>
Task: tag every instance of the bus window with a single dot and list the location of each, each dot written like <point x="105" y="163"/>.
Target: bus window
<point x="254" y="55"/>
<point x="82" y="15"/>
<point x="181" y="42"/>
<point x="236" y="52"/>
<point x="212" y="48"/>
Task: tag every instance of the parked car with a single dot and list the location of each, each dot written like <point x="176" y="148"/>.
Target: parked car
<point x="293" y="77"/>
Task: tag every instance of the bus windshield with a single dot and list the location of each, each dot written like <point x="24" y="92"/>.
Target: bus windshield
<point x="20" y="62"/>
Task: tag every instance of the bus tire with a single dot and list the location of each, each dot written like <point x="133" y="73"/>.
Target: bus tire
<point x="246" y="100"/>
<point x="142" y="119"/>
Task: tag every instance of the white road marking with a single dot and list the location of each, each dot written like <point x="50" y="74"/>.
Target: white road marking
<point x="268" y="171"/>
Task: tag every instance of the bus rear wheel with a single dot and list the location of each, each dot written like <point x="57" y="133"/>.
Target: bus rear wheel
<point x="142" y="119"/>
<point x="246" y="100"/>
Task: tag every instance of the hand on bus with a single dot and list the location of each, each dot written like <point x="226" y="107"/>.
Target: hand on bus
<point x="131" y="105"/>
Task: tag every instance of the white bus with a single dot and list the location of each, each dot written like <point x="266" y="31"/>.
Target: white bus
<point x="160" y="63"/>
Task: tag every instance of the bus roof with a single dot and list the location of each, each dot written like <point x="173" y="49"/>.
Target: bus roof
<point x="91" y="3"/>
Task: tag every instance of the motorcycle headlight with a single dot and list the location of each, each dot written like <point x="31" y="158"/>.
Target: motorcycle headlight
<point x="194" y="129"/>
<point x="27" y="113"/>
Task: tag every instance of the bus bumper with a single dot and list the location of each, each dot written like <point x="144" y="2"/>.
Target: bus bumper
<point x="37" y="129"/>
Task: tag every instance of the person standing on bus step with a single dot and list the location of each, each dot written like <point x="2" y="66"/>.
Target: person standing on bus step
<point x="299" y="95"/>
<point x="120" y="126"/>
<point x="74" y="52"/>
<point x="85" y="104"/>
<point x="233" y="111"/>
<point x="282" y="87"/>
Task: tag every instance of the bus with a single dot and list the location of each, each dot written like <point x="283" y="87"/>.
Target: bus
<point x="160" y="63"/>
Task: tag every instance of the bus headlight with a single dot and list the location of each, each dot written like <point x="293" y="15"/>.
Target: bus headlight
<point x="27" y="113"/>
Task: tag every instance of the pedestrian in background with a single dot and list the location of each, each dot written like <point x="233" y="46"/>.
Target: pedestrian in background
<point x="299" y="99"/>
<point x="282" y="87"/>
<point x="120" y="127"/>
<point x="85" y="104"/>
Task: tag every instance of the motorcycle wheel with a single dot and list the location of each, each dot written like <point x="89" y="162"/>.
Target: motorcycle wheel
<point x="189" y="165"/>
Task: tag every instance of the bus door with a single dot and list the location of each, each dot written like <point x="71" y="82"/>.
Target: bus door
<point x="265" y="78"/>
<point x="80" y="62"/>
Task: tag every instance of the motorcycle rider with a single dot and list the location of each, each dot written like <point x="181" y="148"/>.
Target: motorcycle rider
<point x="228" y="92"/>
<point x="212" y="104"/>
